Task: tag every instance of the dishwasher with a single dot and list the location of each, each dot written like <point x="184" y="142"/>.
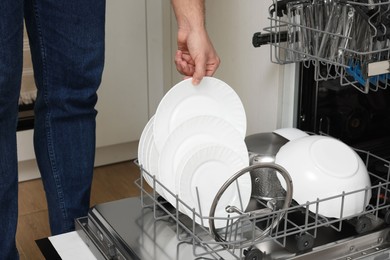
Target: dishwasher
<point x="343" y="40"/>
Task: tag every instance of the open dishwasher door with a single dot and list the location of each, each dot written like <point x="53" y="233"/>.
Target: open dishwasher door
<point x="124" y="229"/>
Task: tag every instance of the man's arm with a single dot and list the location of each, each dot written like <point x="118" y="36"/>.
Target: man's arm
<point x="189" y="13"/>
<point x="195" y="56"/>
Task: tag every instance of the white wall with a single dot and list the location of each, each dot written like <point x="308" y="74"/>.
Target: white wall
<point x="231" y="25"/>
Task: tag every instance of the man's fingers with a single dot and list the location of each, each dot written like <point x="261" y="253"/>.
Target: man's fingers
<point x="200" y="71"/>
<point x="197" y="69"/>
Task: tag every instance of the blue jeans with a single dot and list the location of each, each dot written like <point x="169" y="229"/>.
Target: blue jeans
<point x="67" y="48"/>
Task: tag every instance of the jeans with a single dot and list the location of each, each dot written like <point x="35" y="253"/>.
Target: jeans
<point x="67" y="49"/>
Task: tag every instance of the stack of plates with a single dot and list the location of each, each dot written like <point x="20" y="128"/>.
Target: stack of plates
<point x="194" y="144"/>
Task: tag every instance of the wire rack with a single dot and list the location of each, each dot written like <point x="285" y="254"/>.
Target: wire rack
<point x="346" y="40"/>
<point x="270" y="220"/>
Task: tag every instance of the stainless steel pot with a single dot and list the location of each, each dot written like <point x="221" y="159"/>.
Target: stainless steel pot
<point x="263" y="148"/>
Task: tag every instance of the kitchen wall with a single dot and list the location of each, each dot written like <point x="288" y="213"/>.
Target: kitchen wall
<point x="257" y="80"/>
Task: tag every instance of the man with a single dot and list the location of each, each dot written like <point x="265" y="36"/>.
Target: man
<point x="67" y="49"/>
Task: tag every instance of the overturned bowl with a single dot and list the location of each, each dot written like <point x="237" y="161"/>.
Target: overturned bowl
<point x="325" y="170"/>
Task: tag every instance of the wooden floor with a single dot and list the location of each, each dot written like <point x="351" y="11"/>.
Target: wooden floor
<point x="110" y="183"/>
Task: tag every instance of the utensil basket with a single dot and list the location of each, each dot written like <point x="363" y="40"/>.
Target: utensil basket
<point x="346" y="40"/>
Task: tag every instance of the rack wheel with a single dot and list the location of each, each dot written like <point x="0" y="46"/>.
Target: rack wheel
<point x="253" y="254"/>
<point x="363" y="224"/>
<point x="387" y="237"/>
<point x="386" y="216"/>
<point x="161" y="199"/>
<point x="304" y="242"/>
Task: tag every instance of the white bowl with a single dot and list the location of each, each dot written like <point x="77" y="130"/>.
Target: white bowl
<point x="323" y="168"/>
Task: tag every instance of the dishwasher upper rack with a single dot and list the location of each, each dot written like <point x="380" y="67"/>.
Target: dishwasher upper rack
<point x="242" y="232"/>
<point x="346" y="40"/>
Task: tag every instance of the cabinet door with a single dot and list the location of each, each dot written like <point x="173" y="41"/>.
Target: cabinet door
<point x="122" y="106"/>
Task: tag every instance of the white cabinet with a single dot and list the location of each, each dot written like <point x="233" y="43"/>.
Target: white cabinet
<point x="123" y="95"/>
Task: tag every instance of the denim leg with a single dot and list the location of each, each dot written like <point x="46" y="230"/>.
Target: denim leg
<point x="67" y="45"/>
<point x="11" y="40"/>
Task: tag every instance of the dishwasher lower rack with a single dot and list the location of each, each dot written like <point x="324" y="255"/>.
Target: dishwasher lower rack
<point x="346" y="40"/>
<point x="265" y="227"/>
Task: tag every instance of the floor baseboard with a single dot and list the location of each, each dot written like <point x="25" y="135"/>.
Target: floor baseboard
<point x="28" y="169"/>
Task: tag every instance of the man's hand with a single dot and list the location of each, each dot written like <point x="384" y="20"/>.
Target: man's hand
<point x="195" y="56"/>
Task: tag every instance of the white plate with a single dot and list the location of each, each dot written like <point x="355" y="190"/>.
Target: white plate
<point x="148" y="155"/>
<point x="204" y="174"/>
<point x="196" y="132"/>
<point x="144" y="143"/>
<point x="152" y="162"/>
<point x="183" y="161"/>
<point x="184" y="101"/>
